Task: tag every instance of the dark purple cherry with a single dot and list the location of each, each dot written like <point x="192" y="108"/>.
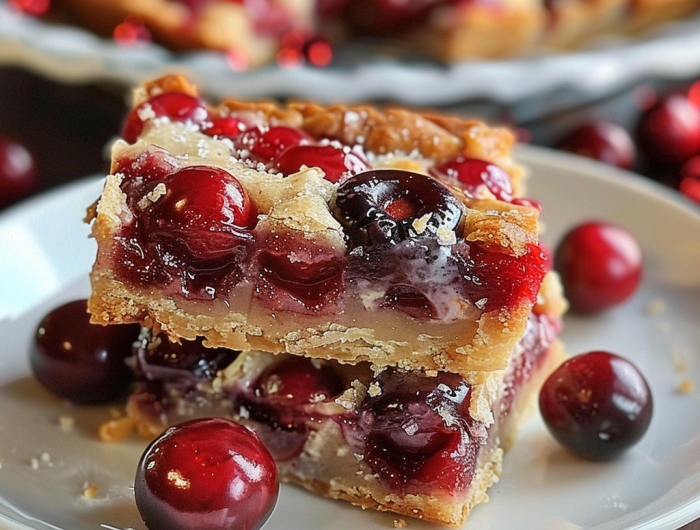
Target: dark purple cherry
<point x="207" y="474"/>
<point x="390" y="206"/>
<point x="600" y="266"/>
<point x="173" y="105"/>
<point x="80" y="361"/>
<point x="601" y="140"/>
<point x="597" y="405"/>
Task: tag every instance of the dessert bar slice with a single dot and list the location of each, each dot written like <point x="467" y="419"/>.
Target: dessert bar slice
<point x="425" y="445"/>
<point x="250" y="32"/>
<point x="336" y="233"/>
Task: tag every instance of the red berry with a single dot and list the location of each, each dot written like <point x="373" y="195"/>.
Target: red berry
<point x="17" y="171"/>
<point x="471" y="174"/>
<point x="271" y="143"/>
<point x="690" y="179"/>
<point x="335" y="162"/>
<point x="597" y="405"/>
<point x="600" y="266"/>
<point x="173" y="105"/>
<point x="203" y="214"/>
<point x="80" y="361"/>
<point x="207" y="474"/>
<point x="601" y="140"/>
<point x="669" y="132"/>
<point x="225" y="126"/>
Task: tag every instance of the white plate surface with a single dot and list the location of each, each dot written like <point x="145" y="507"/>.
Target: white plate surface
<point x="71" y="54"/>
<point x="44" y="261"/>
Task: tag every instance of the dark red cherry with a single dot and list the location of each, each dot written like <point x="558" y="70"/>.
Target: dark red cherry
<point x="601" y="140"/>
<point x="18" y="172"/>
<point x="409" y="300"/>
<point x="80" y="361"/>
<point x="669" y="132"/>
<point x="173" y="105"/>
<point x="269" y="143"/>
<point x="600" y="266"/>
<point x="335" y="162"/>
<point x="418" y="431"/>
<point x="206" y="474"/>
<point x="297" y="381"/>
<point x="382" y="206"/>
<point x="597" y="405"/>
<point x="471" y="174"/>
<point x="204" y="214"/>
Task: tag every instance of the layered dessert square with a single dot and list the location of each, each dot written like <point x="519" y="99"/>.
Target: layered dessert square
<point x="365" y="289"/>
<point x="336" y="233"/>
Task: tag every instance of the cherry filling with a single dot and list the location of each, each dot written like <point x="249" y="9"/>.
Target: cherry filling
<point x="282" y="399"/>
<point x="494" y="280"/>
<point x="390" y="206"/>
<point x="195" y="227"/>
<point x="298" y="275"/>
<point x="418" y="434"/>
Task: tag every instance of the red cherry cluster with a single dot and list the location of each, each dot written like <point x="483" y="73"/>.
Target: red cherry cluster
<point x="665" y="142"/>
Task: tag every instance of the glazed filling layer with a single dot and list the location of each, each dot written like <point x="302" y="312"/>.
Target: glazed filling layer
<point x="414" y="432"/>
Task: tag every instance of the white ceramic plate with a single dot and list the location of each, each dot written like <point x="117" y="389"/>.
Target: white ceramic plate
<point x="71" y="54"/>
<point x="44" y="261"/>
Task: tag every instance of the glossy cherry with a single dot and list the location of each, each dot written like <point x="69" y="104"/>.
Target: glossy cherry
<point x="418" y="431"/>
<point x="669" y="132"/>
<point x="173" y="105"/>
<point x="386" y="206"/>
<point x="204" y="215"/>
<point x="224" y="126"/>
<point x="597" y="405"/>
<point x="600" y="266"/>
<point x="80" y="361"/>
<point x="335" y="162"/>
<point x="18" y="171"/>
<point x="473" y="174"/>
<point x="601" y="140"/>
<point x="267" y="144"/>
<point x="207" y="474"/>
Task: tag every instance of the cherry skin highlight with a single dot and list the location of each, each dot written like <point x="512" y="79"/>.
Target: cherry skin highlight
<point x="600" y="266"/>
<point x="206" y="474"/>
<point x="80" y="361"/>
<point x="597" y="405"/>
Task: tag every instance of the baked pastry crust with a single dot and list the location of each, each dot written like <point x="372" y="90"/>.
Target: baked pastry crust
<point x="296" y="207"/>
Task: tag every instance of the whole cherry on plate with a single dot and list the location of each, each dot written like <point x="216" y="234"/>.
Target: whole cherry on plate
<point x="601" y="140"/>
<point x="669" y="132"/>
<point x="80" y="361"/>
<point x="597" y="405"/>
<point x="18" y="172"/>
<point x="206" y="474"/>
<point x="600" y="265"/>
